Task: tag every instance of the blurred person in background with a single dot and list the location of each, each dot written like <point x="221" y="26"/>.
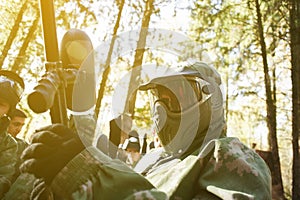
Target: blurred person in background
<point x="132" y="148"/>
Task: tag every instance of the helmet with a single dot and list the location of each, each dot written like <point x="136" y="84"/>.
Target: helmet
<point x="76" y="51"/>
<point x="133" y="133"/>
<point x="183" y="100"/>
<point x="131" y="143"/>
<point x="11" y="87"/>
<point x="75" y="47"/>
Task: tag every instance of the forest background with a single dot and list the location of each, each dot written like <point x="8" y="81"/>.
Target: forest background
<point x="249" y="42"/>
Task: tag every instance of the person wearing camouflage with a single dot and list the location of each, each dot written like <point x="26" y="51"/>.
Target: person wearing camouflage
<point x="75" y="50"/>
<point x="197" y="160"/>
<point x="11" y="88"/>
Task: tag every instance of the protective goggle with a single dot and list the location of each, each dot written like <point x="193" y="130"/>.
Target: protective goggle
<point x="8" y="83"/>
<point x="179" y="94"/>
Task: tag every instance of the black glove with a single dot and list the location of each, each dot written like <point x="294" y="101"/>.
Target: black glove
<point x="51" y="149"/>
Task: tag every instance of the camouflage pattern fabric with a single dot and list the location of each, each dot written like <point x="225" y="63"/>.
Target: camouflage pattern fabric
<point x="22" y="187"/>
<point x="86" y="178"/>
<point x="25" y="185"/>
<point x="85" y="126"/>
<point x="233" y="171"/>
<point x="21" y="146"/>
<point x="8" y="159"/>
<point x="22" y="184"/>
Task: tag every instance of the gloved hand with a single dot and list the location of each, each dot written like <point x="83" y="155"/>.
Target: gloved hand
<point x="51" y="149"/>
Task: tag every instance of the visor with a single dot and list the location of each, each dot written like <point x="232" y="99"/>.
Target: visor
<point x="11" y="85"/>
<point x="10" y="90"/>
<point x="179" y="93"/>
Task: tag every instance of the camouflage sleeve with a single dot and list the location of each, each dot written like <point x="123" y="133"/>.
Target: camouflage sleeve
<point x="85" y="126"/>
<point x="21" y="188"/>
<point x="8" y="157"/>
<point x="93" y="175"/>
<point x="235" y="172"/>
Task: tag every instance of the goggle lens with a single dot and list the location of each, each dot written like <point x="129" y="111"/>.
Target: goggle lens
<point x="12" y="84"/>
<point x="179" y="94"/>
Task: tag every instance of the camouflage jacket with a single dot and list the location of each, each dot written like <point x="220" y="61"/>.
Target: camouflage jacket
<point x="231" y="171"/>
<point x="22" y="144"/>
<point x="23" y="183"/>
<point x="21" y="188"/>
<point x="8" y="159"/>
<point x="25" y="186"/>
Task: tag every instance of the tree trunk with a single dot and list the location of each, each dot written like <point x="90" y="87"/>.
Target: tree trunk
<point x="138" y="59"/>
<point x="13" y="34"/>
<point x="20" y="59"/>
<point x="295" y="59"/>
<point x="271" y="110"/>
<point x="108" y="59"/>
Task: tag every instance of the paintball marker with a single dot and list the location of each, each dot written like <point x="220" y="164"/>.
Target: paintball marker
<point x="50" y="91"/>
<point x="69" y="80"/>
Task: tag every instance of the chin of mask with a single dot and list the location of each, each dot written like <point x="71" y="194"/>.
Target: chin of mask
<point x="177" y="131"/>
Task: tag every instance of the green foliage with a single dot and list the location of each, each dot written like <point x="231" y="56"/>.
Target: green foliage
<point x="228" y="30"/>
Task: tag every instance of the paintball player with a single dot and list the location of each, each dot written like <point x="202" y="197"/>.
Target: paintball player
<point x="198" y="160"/>
<point x="17" y="121"/>
<point x="11" y="89"/>
<point x="76" y="51"/>
<point x="132" y="148"/>
<point x="78" y="64"/>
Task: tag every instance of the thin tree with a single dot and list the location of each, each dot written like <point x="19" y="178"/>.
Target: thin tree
<point x="138" y="58"/>
<point x="20" y="58"/>
<point x="271" y="106"/>
<point x="13" y="34"/>
<point x="105" y="74"/>
<point x="295" y="61"/>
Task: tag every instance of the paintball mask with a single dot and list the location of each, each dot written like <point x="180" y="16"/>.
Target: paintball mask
<point x="11" y="87"/>
<point x="77" y="54"/>
<point x="181" y="106"/>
